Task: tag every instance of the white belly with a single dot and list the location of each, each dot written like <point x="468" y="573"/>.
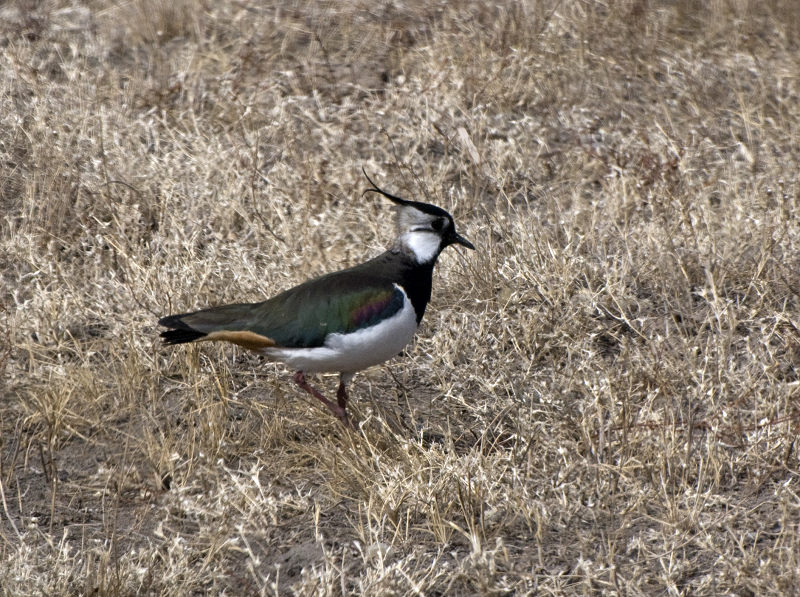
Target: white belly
<point x="348" y="353"/>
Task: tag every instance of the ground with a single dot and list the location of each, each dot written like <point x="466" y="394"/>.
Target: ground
<point x="601" y="397"/>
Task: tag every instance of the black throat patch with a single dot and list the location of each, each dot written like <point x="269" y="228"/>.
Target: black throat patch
<point x="417" y="280"/>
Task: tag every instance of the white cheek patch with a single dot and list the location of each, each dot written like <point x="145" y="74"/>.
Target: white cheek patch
<point x="424" y="244"/>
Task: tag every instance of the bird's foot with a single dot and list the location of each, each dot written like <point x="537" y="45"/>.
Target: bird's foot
<point x="338" y="408"/>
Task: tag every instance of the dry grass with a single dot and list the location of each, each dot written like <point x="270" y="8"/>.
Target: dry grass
<point x="602" y="398"/>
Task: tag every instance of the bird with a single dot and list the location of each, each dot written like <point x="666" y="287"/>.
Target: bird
<point x="341" y="322"/>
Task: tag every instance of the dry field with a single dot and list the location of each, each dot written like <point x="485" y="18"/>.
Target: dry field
<point x="601" y="399"/>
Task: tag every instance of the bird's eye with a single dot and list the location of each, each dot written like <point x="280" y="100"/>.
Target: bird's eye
<point x="438" y="224"/>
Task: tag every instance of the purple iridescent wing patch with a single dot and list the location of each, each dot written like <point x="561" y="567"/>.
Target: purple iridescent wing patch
<point x="373" y="307"/>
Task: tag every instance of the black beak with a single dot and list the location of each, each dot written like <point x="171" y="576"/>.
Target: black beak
<point x="457" y="238"/>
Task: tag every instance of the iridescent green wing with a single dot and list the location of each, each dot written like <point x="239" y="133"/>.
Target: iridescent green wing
<point x="343" y="303"/>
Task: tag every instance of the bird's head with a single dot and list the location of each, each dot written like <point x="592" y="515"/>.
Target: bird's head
<point x="423" y="230"/>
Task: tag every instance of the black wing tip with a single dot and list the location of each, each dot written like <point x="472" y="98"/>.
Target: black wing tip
<point x="180" y="336"/>
<point x="179" y="332"/>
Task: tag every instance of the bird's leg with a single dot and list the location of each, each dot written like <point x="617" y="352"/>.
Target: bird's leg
<point x="341" y="395"/>
<point x="337" y="409"/>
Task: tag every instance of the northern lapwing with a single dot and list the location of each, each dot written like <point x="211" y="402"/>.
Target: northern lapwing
<point x="343" y="321"/>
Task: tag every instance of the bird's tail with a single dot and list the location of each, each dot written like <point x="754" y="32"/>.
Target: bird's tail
<point x="179" y="332"/>
<point x="230" y="323"/>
